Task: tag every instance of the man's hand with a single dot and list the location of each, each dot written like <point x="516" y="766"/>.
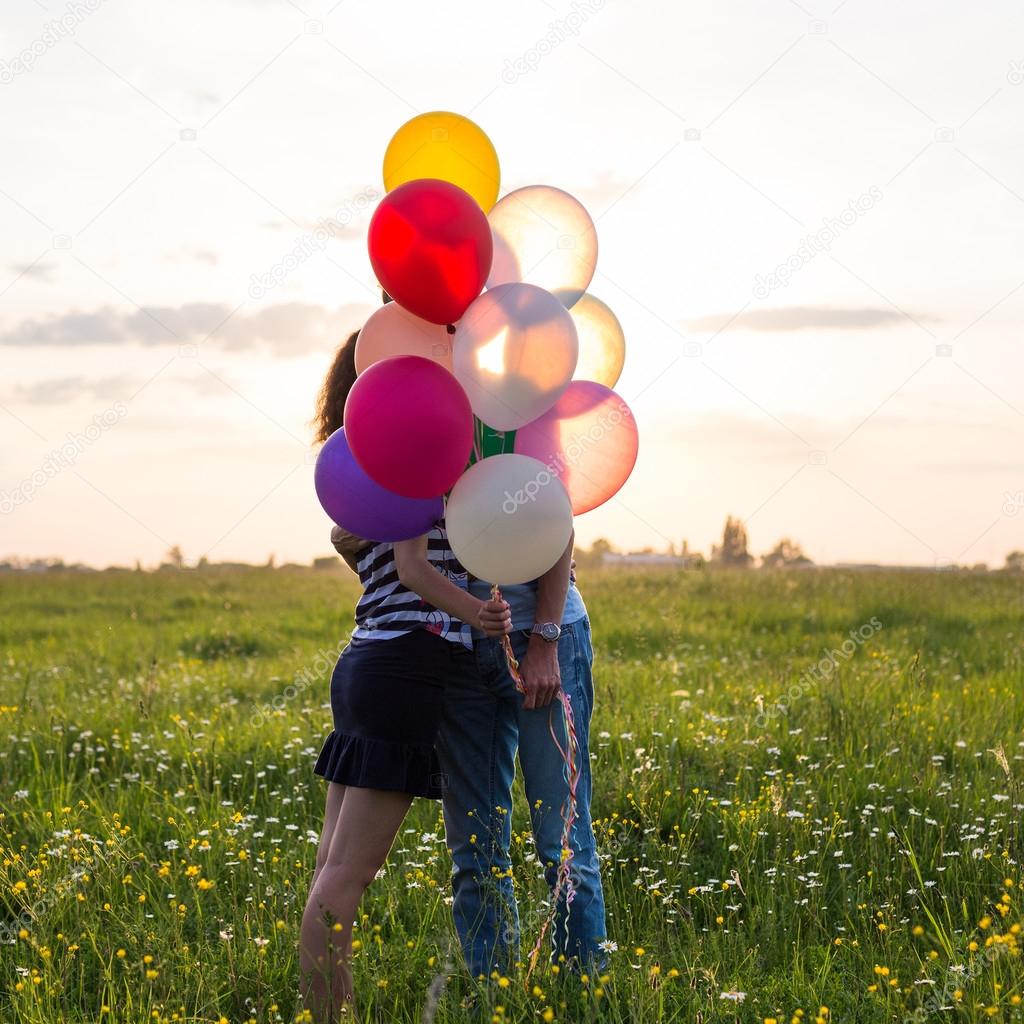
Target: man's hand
<point x="539" y="669"/>
<point x="494" y="618"/>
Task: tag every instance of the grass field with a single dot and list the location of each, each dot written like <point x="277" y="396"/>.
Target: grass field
<point x="786" y="832"/>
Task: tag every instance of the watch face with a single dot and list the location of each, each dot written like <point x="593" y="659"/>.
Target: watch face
<point x="550" y="631"/>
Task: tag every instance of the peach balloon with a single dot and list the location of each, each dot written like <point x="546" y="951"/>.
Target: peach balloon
<point x="515" y="351"/>
<point x="588" y="439"/>
<point x="543" y="236"/>
<point x="394" y="331"/>
<point x="602" y="343"/>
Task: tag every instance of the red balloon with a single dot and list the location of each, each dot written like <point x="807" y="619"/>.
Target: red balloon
<point x="409" y="426"/>
<point x="431" y="247"/>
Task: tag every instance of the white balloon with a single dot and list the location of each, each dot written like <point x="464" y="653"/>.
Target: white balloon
<point x="509" y="519"/>
<point x="515" y="351"/>
<point x="543" y="236"/>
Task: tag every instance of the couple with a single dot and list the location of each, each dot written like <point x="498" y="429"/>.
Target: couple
<point x="424" y="705"/>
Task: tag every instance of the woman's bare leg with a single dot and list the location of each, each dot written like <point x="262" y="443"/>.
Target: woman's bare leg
<point x="367" y="824"/>
<point x="332" y="808"/>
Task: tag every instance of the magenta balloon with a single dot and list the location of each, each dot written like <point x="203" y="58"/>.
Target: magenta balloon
<point x="588" y="439"/>
<point x="410" y="426"/>
<point x="360" y="505"/>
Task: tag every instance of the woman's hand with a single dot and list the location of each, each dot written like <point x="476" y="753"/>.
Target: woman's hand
<point x="494" y="618"/>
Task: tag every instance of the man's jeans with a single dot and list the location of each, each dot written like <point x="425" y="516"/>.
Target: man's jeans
<point x="483" y="724"/>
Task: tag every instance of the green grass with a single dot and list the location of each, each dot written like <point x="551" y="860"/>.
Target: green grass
<point x="772" y="821"/>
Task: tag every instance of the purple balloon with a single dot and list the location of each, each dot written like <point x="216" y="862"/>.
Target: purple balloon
<point x="360" y="505"/>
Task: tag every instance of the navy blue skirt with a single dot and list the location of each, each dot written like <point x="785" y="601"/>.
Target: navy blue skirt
<point x="386" y="699"/>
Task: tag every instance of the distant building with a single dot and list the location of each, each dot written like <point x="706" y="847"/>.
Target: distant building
<point x="637" y="558"/>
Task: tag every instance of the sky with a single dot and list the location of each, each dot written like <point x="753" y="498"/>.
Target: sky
<point x="866" y="401"/>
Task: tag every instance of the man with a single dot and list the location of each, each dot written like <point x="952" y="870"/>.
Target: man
<point x="486" y="720"/>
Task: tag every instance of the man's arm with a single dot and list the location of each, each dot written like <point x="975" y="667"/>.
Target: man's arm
<point x="349" y="546"/>
<point x="541" y="678"/>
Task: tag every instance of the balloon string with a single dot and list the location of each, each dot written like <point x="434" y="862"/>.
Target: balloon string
<point x="563" y="886"/>
<point x="506" y="646"/>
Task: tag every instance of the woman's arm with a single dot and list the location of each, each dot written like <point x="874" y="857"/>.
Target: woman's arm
<point x="419" y="576"/>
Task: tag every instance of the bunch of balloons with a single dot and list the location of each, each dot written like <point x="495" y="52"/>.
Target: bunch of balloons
<point x="491" y="333"/>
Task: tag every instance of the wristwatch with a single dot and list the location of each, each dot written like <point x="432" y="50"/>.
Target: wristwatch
<point x="549" y="631"/>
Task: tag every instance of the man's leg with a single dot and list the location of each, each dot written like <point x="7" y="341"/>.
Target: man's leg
<point x="580" y="926"/>
<point x="477" y="745"/>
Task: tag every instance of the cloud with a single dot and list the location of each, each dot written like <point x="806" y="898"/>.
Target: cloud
<point x="42" y="271"/>
<point x="61" y="390"/>
<point x="65" y="390"/>
<point x="798" y="318"/>
<point x="286" y="329"/>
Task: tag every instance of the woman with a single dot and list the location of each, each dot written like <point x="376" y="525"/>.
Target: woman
<point x="412" y="632"/>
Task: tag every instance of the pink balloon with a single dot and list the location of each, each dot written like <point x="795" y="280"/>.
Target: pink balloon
<point x="393" y="331"/>
<point x="409" y="426"/>
<point x="588" y="439"/>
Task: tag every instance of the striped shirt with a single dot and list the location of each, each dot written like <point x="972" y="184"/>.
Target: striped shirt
<point x="388" y="609"/>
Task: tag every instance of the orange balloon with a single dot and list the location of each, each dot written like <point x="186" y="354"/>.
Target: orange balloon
<point x="394" y="331"/>
<point x="602" y="343"/>
<point x="588" y="439"/>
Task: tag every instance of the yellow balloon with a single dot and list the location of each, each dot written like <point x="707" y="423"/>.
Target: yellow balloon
<point x="602" y="343"/>
<point x="446" y="146"/>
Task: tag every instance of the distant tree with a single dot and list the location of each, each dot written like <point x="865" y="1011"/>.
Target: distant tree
<point x="1015" y="561"/>
<point x="593" y="558"/>
<point x="270" y="562"/>
<point x="175" y="558"/>
<point x="733" y="552"/>
<point x="785" y="554"/>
